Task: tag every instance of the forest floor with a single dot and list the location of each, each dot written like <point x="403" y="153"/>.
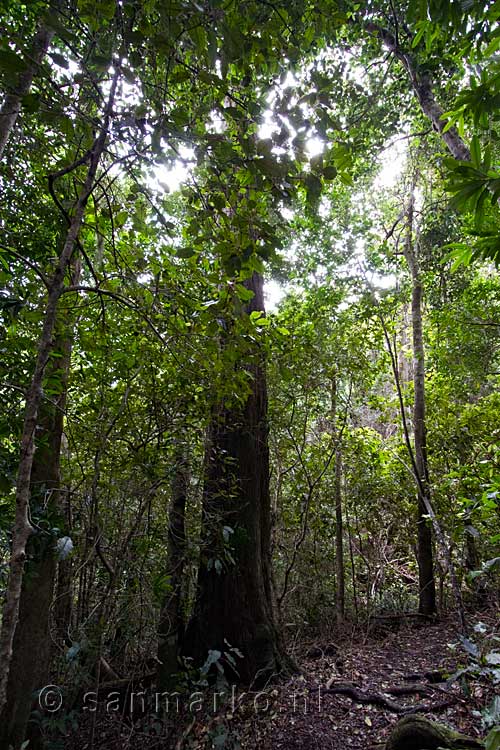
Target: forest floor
<point x="375" y="673"/>
<point x="386" y="665"/>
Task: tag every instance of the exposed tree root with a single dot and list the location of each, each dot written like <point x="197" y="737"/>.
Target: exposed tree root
<point x="433" y="677"/>
<point x="380" y="699"/>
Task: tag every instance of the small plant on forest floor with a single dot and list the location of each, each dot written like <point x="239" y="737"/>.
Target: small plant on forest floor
<point x="215" y="673"/>
<point x="54" y="729"/>
<point x="483" y="656"/>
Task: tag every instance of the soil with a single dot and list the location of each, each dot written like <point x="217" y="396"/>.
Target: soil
<point x="405" y="664"/>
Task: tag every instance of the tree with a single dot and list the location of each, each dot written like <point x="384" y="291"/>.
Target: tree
<point x="26" y="70"/>
<point x="235" y="606"/>
<point x="32" y="628"/>
<point x="133" y="330"/>
<point x="171" y="625"/>
<point x="427" y="589"/>
<point x="23" y="528"/>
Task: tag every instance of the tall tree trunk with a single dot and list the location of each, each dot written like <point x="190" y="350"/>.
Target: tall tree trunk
<point x="171" y="619"/>
<point x="235" y="599"/>
<point x="438" y="531"/>
<point x="11" y="107"/>
<point x="339" y="526"/>
<point x="427" y="588"/>
<point x="353" y="566"/>
<point x="22" y="526"/>
<point x="32" y="631"/>
<point x="339" y="540"/>
<point x="32" y="635"/>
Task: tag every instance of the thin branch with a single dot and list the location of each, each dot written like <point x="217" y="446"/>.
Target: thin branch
<point x="29" y="263"/>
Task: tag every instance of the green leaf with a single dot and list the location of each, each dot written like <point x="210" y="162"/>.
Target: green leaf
<point x="107" y="8"/>
<point x="101" y="62"/>
<point x="185" y="252"/>
<point x="475" y="152"/>
<point x="329" y="173"/>
<point x="199" y="37"/>
<point x="120" y="218"/>
<point x="11" y="62"/>
<point x="465" y="194"/>
<point x="492" y="741"/>
<point x="31" y="102"/>
<point x="212" y="48"/>
<point x="418" y="36"/>
<point x="243" y="293"/>
<point x="313" y="187"/>
<point x="346" y="178"/>
<point x="493" y="46"/>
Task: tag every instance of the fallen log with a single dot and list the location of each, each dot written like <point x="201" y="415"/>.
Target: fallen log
<point x="419" y="733"/>
<point x="404" y="615"/>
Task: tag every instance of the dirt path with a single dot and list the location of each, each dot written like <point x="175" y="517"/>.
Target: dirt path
<point x="304" y="717"/>
<point x="305" y="713"/>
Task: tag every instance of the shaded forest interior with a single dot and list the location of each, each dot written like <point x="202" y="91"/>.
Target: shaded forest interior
<point x="221" y="526"/>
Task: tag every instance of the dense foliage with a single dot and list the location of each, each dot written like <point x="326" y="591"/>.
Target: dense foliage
<point x="158" y="158"/>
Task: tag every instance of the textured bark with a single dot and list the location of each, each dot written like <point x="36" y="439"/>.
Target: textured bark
<point x="11" y="107"/>
<point x="22" y="527"/>
<point x="31" y="652"/>
<point x="427" y="588"/>
<point x="171" y="619"/>
<point x="235" y="601"/>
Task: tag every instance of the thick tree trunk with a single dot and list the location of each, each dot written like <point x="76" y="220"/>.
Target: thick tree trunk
<point x="22" y="527"/>
<point x="171" y="619"/>
<point x="235" y="601"/>
<point x="12" y="103"/>
<point x="427" y="588"/>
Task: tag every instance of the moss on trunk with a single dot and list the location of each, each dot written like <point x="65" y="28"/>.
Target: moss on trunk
<point x="419" y="733"/>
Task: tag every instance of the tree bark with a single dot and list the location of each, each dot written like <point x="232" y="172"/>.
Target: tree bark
<point x="22" y="527"/>
<point x="12" y="104"/>
<point x="171" y="619"/>
<point x="235" y="601"/>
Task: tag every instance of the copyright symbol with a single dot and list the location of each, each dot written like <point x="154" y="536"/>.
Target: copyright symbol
<point x="50" y="698"/>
